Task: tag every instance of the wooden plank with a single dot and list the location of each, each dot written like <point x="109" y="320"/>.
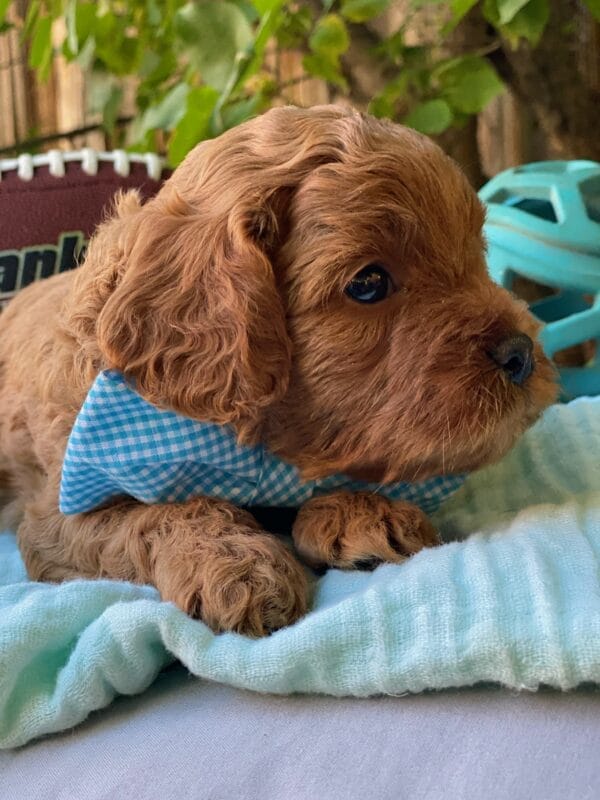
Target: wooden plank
<point x="22" y="122"/>
<point x="301" y="91"/>
<point x="505" y="133"/>
<point x="70" y="86"/>
<point x="7" y="124"/>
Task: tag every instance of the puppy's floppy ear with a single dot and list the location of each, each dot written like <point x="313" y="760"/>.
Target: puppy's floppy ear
<point x="180" y="294"/>
<point x="193" y="315"/>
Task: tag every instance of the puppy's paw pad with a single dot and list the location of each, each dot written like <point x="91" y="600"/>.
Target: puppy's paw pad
<point x="367" y="564"/>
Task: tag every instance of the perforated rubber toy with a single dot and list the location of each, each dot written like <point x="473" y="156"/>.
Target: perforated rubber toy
<point x="543" y="223"/>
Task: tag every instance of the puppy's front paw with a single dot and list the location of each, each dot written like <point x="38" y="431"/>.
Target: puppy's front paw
<point x="360" y="531"/>
<point x="243" y="581"/>
<point x="254" y="592"/>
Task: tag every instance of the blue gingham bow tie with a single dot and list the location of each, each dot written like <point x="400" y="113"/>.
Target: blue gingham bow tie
<point x="122" y="445"/>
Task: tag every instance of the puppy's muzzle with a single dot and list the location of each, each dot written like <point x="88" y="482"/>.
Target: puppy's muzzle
<point x="514" y="355"/>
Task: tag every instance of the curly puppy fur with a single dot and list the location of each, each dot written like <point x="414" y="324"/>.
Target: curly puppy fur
<point x="223" y="297"/>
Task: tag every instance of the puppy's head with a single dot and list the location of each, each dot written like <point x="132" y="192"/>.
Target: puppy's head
<point x="316" y="278"/>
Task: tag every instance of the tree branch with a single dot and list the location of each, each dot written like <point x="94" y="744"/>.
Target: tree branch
<point x="39" y="141"/>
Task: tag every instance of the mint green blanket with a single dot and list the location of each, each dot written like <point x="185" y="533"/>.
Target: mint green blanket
<point x="517" y="603"/>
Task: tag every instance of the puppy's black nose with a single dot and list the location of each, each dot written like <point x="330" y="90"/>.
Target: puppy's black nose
<point x="515" y="356"/>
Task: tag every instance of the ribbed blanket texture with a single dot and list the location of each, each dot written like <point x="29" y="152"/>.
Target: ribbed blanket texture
<point x="512" y="598"/>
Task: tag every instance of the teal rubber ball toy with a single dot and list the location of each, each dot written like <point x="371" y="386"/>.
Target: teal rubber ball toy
<point x="543" y="223"/>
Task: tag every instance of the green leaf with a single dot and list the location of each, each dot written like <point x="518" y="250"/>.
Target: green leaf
<point x="491" y="13"/>
<point x="322" y="67"/>
<point x="363" y="10"/>
<point x="266" y="30"/>
<point x="384" y="104"/>
<point x="136" y="143"/>
<point x="33" y="11"/>
<point x="330" y="37"/>
<point x="248" y="9"/>
<point x="156" y="67"/>
<point x="121" y="56"/>
<point x="328" y="41"/>
<point x="166" y="114"/>
<point x="4" y="4"/>
<point x="238" y="112"/>
<point x="294" y="27"/>
<point x="508" y="9"/>
<point x="86" y="54"/>
<point x="529" y="23"/>
<point x="263" y="6"/>
<point x="194" y="125"/>
<point x="393" y="47"/>
<point x="71" y="24"/>
<point x="110" y="112"/>
<point x="381" y="106"/>
<point x="433" y="116"/>
<point x="416" y="56"/>
<point x="154" y="12"/>
<point x="40" y="53"/>
<point x="149" y="64"/>
<point x="116" y="46"/>
<point x="214" y="35"/>
<point x="109" y="27"/>
<point x="460" y="9"/>
<point x="104" y="97"/>
<point x="416" y="4"/>
<point x="468" y="83"/>
<point x="85" y="20"/>
<point x="594" y="8"/>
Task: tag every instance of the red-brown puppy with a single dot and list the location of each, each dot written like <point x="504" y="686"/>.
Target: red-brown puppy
<point x="314" y="279"/>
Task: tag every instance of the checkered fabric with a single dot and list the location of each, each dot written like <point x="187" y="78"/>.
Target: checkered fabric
<point x="122" y="445"/>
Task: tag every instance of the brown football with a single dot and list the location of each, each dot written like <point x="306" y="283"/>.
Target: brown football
<point x="51" y="203"/>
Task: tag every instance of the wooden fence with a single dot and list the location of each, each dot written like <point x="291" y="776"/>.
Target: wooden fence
<point x="55" y="114"/>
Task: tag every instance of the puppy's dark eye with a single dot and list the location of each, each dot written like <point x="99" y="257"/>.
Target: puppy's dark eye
<point x="370" y="285"/>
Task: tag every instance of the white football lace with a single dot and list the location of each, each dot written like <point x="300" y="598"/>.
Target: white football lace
<point x="89" y="159"/>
